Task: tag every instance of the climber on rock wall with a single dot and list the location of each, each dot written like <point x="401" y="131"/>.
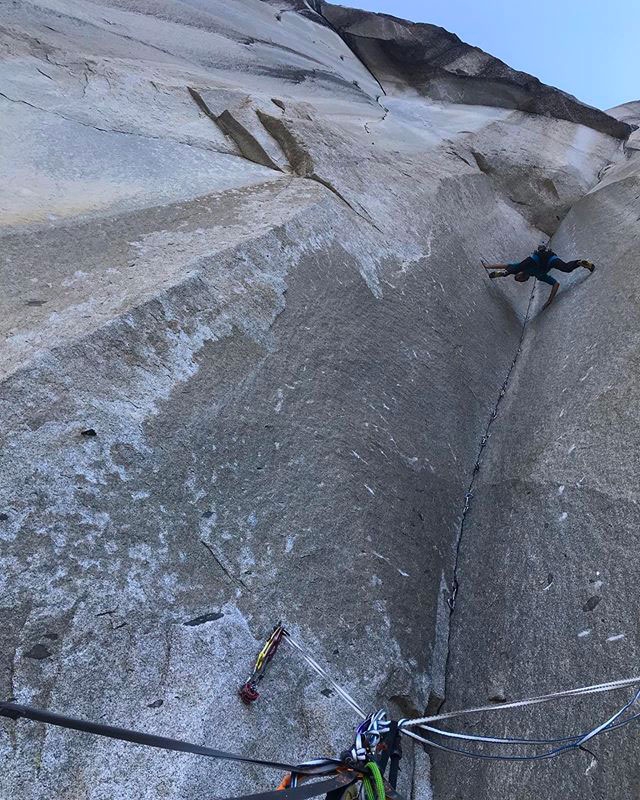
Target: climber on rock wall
<point x="537" y="265"/>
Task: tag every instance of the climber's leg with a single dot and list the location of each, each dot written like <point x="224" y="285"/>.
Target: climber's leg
<point x="569" y="266"/>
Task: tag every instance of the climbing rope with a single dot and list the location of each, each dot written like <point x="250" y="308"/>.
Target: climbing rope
<point x="324" y="674"/>
<point x="565" y="743"/>
<point x="530" y="701"/>
<point x="373" y="783"/>
<point x="572" y="742"/>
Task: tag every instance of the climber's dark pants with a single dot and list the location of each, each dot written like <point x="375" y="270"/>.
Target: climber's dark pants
<point x="565" y="266"/>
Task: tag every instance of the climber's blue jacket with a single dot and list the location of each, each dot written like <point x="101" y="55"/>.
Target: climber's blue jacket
<point x="537" y="265"/>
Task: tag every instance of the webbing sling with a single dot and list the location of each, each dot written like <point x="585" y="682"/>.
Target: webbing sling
<point x="16" y="711"/>
<point x="338" y="784"/>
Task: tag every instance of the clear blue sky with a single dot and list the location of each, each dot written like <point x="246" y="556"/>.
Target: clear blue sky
<point x="589" y="48"/>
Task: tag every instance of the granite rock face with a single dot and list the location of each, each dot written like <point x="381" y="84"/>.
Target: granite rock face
<point x="548" y="572"/>
<point x="249" y="357"/>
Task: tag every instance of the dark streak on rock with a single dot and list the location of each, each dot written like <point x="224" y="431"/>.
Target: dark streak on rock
<point x="212" y="616"/>
<point x="230" y="577"/>
<point x="591" y="603"/>
<point x="38" y="652"/>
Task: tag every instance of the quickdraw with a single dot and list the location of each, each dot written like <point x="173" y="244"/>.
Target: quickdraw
<point x="367" y="739"/>
<point x="249" y="691"/>
<point x="376" y="740"/>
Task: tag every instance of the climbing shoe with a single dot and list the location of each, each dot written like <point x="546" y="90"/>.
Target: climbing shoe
<point x="588" y="265"/>
<point x="494" y="274"/>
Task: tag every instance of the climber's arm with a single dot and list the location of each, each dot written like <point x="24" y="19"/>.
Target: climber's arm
<point x="554" y="289"/>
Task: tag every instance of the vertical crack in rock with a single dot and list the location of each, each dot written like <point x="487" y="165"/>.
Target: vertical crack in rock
<point x="467" y="503"/>
<point x="232" y="579"/>
<point x="316" y="7"/>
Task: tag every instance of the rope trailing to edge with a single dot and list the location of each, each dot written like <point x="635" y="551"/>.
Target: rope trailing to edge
<point x="572" y="742"/>
<point x="545" y="698"/>
<point x="575" y="743"/>
<point x="407" y="723"/>
<point x="323" y="673"/>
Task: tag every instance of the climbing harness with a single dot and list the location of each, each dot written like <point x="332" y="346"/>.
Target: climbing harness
<point x="249" y="690"/>
<point x="549" y="256"/>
